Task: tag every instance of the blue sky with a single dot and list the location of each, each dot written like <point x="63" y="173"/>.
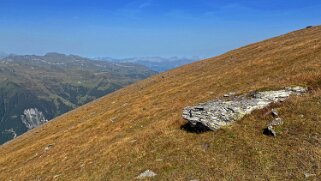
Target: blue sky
<point x="123" y="28"/>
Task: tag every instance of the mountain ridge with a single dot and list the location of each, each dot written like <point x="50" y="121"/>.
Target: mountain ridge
<point x="156" y="63"/>
<point x="53" y="84"/>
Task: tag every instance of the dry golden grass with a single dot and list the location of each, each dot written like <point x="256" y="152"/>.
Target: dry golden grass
<point x="139" y="127"/>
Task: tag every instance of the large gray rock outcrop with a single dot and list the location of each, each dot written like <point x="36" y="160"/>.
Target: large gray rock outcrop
<point x="33" y="118"/>
<point x="221" y="112"/>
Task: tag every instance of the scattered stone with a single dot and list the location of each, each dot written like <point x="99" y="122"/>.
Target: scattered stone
<point x="276" y="122"/>
<point x="275" y="113"/>
<point x="229" y="94"/>
<point x="113" y="119"/>
<point x="133" y="141"/>
<point x="269" y="131"/>
<point x="147" y="173"/>
<point x="195" y="180"/>
<point x="48" y="147"/>
<point x="56" y="176"/>
<point x="221" y="112"/>
<point x="307" y="175"/>
<point x="206" y="146"/>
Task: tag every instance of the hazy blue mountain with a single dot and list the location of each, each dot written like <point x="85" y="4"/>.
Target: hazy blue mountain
<point x="159" y="64"/>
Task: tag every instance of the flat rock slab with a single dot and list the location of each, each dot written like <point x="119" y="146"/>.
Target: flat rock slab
<point x="221" y="112"/>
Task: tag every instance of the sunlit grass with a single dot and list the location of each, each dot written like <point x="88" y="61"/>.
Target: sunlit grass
<point x="139" y="127"/>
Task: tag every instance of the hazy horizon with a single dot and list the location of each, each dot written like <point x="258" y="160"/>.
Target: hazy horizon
<point x="5" y="54"/>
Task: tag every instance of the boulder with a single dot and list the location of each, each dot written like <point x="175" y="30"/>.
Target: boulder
<point x="269" y="131"/>
<point x="224" y="111"/>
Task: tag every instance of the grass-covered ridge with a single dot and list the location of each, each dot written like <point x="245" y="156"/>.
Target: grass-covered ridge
<point x="138" y="128"/>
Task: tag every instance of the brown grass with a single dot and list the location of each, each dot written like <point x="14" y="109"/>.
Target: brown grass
<point x="146" y="129"/>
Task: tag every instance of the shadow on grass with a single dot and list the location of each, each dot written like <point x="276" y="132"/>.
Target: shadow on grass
<point x="267" y="132"/>
<point x="198" y="128"/>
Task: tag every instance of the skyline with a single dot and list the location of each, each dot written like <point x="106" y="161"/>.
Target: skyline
<point x="143" y="28"/>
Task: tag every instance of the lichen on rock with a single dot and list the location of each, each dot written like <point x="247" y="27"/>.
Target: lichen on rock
<point x="221" y="112"/>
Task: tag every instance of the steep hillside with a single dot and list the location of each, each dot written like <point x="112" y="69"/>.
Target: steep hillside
<point x="54" y="84"/>
<point x="140" y="127"/>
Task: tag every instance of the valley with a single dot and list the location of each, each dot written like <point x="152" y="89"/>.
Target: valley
<point x="35" y="89"/>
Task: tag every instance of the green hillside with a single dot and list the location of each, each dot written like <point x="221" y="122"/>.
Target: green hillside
<point x="54" y="84"/>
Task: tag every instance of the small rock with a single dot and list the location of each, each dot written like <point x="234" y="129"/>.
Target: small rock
<point x="307" y="175"/>
<point x="195" y="180"/>
<point x="56" y="176"/>
<point x="147" y="173"/>
<point x="113" y="119"/>
<point x="274" y="113"/>
<point x="49" y="147"/>
<point x="205" y="146"/>
<point x="276" y="122"/>
<point x="229" y="94"/>
<point x="269" y="131"/>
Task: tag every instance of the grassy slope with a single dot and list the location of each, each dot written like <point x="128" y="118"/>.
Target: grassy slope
<point x="145" y="132"/>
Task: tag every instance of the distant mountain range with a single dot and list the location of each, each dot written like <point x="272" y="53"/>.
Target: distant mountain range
<point x="35" y="89"/>
<point x="159" y="64"/>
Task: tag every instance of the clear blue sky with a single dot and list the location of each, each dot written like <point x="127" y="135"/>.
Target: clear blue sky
<point x="127" y="28"/>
